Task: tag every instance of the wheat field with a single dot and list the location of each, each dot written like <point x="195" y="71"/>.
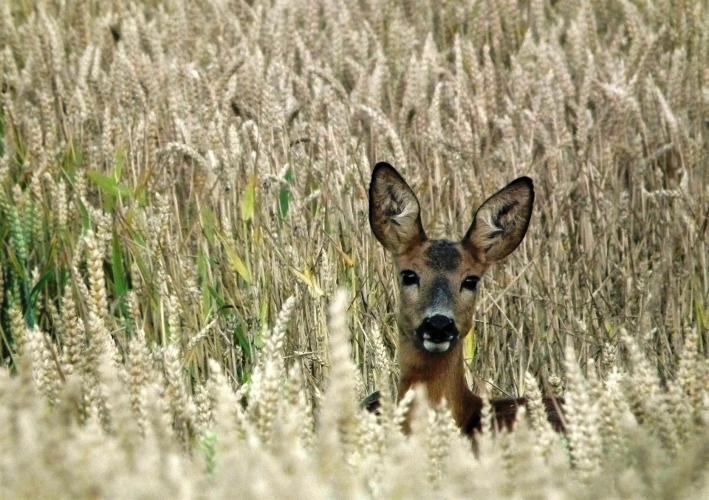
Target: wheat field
<point x="192" y="304"/>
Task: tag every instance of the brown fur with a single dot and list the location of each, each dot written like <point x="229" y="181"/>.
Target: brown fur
<point x="443" y="380"/>
<point x="441" y="268"/>
<point x="413" y="308"/>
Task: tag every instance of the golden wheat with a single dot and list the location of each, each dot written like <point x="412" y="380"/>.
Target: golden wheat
<point x="173" y="174"/>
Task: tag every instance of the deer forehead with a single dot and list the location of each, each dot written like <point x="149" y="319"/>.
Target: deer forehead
<point x="440" y="257"/>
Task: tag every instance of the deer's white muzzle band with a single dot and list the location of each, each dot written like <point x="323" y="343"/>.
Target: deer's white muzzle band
<point x="436" y="346"/>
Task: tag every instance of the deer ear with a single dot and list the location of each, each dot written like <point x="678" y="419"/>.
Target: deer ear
<point x="501" y="222"/>
<point x="394" y="211"/>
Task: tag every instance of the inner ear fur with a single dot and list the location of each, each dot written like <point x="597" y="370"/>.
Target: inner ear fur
<point x="501" y="222"/>
<point x="394" y="210"/>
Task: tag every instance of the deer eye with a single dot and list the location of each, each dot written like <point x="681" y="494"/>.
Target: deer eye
<point x="470" y="283"/>
<point x="409" y="278"/>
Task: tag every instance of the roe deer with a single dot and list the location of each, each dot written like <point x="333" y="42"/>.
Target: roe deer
<point x="438" y="280"/>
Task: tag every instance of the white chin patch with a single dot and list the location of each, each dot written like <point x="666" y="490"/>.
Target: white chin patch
<point x="436" y="346"/>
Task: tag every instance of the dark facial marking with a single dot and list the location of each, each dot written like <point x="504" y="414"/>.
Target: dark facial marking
<point x="442" y="255"/>
<point x="440" y="292"/>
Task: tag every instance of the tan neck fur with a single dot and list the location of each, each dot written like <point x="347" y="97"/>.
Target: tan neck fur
<point x="443" y="377"/>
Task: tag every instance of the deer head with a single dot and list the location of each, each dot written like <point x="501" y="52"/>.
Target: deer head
<point x="438" y="279"/>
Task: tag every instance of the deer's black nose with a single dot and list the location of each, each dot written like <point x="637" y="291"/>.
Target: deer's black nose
<point x="439" y="323"/>
<point x="437" y="333"/>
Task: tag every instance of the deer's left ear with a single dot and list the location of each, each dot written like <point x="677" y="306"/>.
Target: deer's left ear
<point x="501" y="222"/>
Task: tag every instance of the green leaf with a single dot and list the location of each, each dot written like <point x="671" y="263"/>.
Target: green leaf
<point x="31" y="296"/>
<point x="702" y="316"/>
<point x="72" y="159"/>
<point x="248" y="202"/>
<point x="109" y="185"/>
<point x="85" y="216"/>
<point x="39" y="286"/>
<point x="120" y="163"/>
<point x="285" y="196"/>
<point x="237" y="264"/>
<point x="218" y="298"/>
<point x="203" y="273"/>
<point x="241" y="339"/>
<point x="208" y="221"/>
<point x="120" y="281"/>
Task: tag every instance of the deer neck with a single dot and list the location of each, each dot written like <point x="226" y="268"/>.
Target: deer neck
<point x="443" y="376"/>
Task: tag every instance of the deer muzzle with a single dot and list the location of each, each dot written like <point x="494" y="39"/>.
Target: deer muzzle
<point x="437" y="333"/>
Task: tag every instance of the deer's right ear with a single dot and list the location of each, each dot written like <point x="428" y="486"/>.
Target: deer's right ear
<point x="394" y="211"/>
